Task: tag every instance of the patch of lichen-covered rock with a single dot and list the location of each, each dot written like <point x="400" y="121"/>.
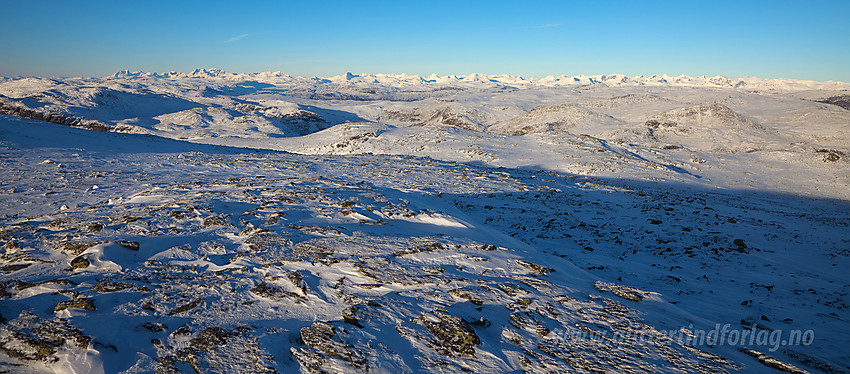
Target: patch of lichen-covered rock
<point x="30" y="338"/>
<point x="454" y="334"/>
<point x="628" y="293"/>
<point x="107" y="286"/>
<point x="324" y="344"/>
<point x="81" y="304"/>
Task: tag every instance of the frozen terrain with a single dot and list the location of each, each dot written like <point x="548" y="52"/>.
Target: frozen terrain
<point x="219" y="222"/>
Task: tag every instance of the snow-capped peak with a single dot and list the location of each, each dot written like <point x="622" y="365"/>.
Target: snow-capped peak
<point x="478" y="79"/>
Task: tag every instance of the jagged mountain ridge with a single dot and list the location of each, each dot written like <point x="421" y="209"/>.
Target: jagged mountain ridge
<point x="401" y="80"/>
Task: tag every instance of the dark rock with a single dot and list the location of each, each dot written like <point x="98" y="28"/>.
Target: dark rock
<point x="266" y="240"/>
<point x="814" y="362"/>
<point x="772" y="362"/>
<point x="831" y="157"/>
<point x="628" y="293"/>
<point x="481" y="322"/>
<point x="296" y="279"/>
<point x="429" y="247"/>
<point x="14" y="267"/>
<point x="740" y="246"/>
<point x="310" y="359"/>
<point x="314" y="229"/>
<point x="80" y="262"/>
<point x="183" y="308"/>
<point x="841" y="100"/>
<point x="181" y="331"/>
<point x="535" y="269"/>
<point x="110" y="286"/>
<point x="154" y="326"/>
<point x="468" y="295"/>
<point x="322" y="337"/>
<point x="33" y="341"/>
<point x="178" y="215"/>
<point x="433" y="270"/>
<point x="368" y="286"/>
<point x="456" y="336"/>
<point x="214" y="221"/>
<point x="276" y="292"/>
<point x="56" y="118"/>
<point x="82" y="304"/>
<point x="348" y="315"/>
<point x="313" y="252"/>
<point x="133" y="246"/>
<point x="210" y="338"/>
<point x="166" y="365"/>
<point x="654" y="123"/>
<point x="76" y="248"/>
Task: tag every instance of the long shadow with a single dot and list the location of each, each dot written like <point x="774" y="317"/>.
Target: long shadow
<point x="629" y="154"/>
<point x="641" y="233"/>
<point x="238" y="89"/>
<point x="333" y="116"/>
<point x="114" y="106"/>
<point x="737" y="256"/>
<point x="30" y="135"/>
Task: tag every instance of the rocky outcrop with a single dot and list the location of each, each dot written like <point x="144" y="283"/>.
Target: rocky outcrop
<point x="455" y="335"/>
<point x="842" y="101"/>
<point x="56" y="118"/>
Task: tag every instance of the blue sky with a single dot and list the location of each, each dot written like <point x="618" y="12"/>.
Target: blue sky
<point x="771" y="39"/>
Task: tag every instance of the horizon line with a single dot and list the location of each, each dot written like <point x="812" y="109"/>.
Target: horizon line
<point x="352" y="75"/>
<point x="528" y="77"/>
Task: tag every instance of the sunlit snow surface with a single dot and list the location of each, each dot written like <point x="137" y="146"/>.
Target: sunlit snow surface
<point x="439" y="224"/>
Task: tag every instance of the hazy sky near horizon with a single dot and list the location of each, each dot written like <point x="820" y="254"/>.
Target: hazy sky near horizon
<point x="771" y="39"/>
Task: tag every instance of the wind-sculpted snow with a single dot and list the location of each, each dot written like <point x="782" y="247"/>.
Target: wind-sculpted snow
<point x="422" y="224"/>
<point x="136" y="254"/>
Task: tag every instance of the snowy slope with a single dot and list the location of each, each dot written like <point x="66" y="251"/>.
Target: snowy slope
<point x="717" y="129"/>
<point x="411" y="232"/>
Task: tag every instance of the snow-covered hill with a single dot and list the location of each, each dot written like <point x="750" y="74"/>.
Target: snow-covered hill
<point x="226" y="222"/>
<point x="718" y="129"/>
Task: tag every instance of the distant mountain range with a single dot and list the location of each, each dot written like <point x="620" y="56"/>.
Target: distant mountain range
<point x="752" y="83"/>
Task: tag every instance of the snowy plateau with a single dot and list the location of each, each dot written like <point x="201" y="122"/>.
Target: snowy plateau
<point x="215" y="222"/>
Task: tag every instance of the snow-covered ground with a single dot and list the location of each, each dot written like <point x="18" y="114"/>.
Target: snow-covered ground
<point x="392" y="223"/>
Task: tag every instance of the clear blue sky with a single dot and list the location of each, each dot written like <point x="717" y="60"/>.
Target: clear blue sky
<point x="771" y="39"/>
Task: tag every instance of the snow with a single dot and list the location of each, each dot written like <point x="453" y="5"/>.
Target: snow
<point x="394" y="223"/>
